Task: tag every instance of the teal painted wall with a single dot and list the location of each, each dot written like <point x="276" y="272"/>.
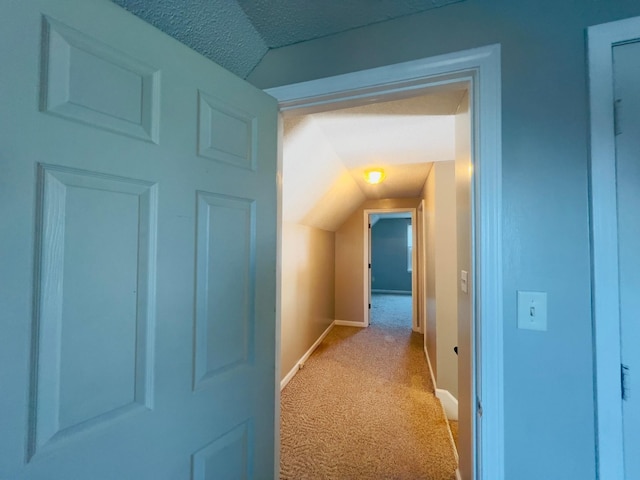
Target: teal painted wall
<point x="548" y="385"/>
<point x="389" y="252"/>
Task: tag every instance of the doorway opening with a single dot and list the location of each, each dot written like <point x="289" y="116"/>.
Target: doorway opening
<point x="391" y="267"/>
<point x="482" y="452"/>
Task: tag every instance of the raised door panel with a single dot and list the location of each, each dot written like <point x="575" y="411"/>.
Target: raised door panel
<point x="225" y="289"/>
<point x="226" y="133"/>
<point x="89" y="82"/>
<point x="95" y="302"/>
<point x="226" y="457"/>
<point x="138" y="301"/>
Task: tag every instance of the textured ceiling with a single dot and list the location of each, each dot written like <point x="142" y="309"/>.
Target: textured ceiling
<point x="285" y="22"/>
<point x="325" y="155"/>
<point x="217" y="29"/>
<point x="402" y="132"/>
<point x="236" y="34"/>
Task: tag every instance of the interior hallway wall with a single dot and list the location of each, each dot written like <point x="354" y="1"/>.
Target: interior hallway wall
<point x="429" y="196"/>
<point x="349" y="267"/>
<point x="442" y="303"/>
<point x="307" y="302"/>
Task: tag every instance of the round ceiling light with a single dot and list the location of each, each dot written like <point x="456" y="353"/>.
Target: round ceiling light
<point x="374" y="176"/>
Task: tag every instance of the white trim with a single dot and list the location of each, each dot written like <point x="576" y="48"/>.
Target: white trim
<point x="449" y="402"/>
<point x="444" y="410"/>
<point x="433" y="377"/>
<point x="458" y="474"/>
<point x="366" y="259"/>
<point x="300" y="363"/>
<point x="604" y="232"/>
<point x="292" y="373"/>
<point x="278" y="346"/>
<point x="348" y="323"/>
<point x="416" y="327"/>
<point x="421" y="286"/>
<point x="373" y="85"/>
<point x="488" y="293"/>
<point x="480" y="67"/>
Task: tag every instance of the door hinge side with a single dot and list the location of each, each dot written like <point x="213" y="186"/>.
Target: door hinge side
<point x="479" y="406"/>
<point x="624" y="381"/>
<point x="617" y="123"/>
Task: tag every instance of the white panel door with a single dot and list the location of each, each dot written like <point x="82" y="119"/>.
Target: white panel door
<point x="137" y="253"/>
<point x="627" y="95"/>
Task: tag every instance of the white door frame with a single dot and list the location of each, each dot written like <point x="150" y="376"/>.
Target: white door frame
<point x="604" y="232"/>
<point x="414" y="263"/>
<point x="421" y="259"/>
<point x="480" y="68"/>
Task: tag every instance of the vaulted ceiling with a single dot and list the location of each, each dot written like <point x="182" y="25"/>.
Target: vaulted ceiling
<point x="325" y="155"/>
<point x="236" y="34"/>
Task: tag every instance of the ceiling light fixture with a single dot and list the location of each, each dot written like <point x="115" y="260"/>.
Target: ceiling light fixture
<point x="374" y="176"/>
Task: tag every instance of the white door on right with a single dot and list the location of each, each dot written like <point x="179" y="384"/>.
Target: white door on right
<point x="627" y="95"/>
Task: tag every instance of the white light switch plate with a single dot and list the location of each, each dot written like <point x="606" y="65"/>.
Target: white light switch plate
<point x="532" y="310"/>
<point x="464" y="285"/>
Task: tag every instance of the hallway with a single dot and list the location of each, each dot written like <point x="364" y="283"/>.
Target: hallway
<point x="363" y="406"/>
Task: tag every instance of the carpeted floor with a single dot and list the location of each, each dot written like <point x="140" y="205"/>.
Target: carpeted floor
<point x="453" y="425"/>
<point x="363" y="407"/>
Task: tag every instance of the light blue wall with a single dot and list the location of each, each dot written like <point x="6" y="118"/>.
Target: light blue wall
<point x="549" y="424"/>
<point x="389" y="252"/>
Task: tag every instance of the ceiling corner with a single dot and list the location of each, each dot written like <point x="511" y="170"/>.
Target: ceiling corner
<point x="217" y="29"/>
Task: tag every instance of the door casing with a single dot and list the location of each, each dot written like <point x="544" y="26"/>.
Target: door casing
<point x="604" y="234"/>
<point x="479" y="68"/>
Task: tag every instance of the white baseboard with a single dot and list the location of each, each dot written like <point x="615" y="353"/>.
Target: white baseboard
<point x="447" y="409"/>
<point x="392" y="292"/>
<point x="300" y="363"/>
<point x="449" y="402"/>
<point x="349" y="323"/>
<point x="433" y="377"/>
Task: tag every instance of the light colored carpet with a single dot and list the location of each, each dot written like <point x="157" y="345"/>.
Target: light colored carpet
<point x="363" y="408"/>
<point x="453" y="425"/>
<point x="391" y="311"/>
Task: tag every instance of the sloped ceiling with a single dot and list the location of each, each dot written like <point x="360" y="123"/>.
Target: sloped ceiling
<point x="236" y="34"/>
<point x="217" y="29"/>
<point x="325" y="155"/>
<point x="285" y="22"/>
